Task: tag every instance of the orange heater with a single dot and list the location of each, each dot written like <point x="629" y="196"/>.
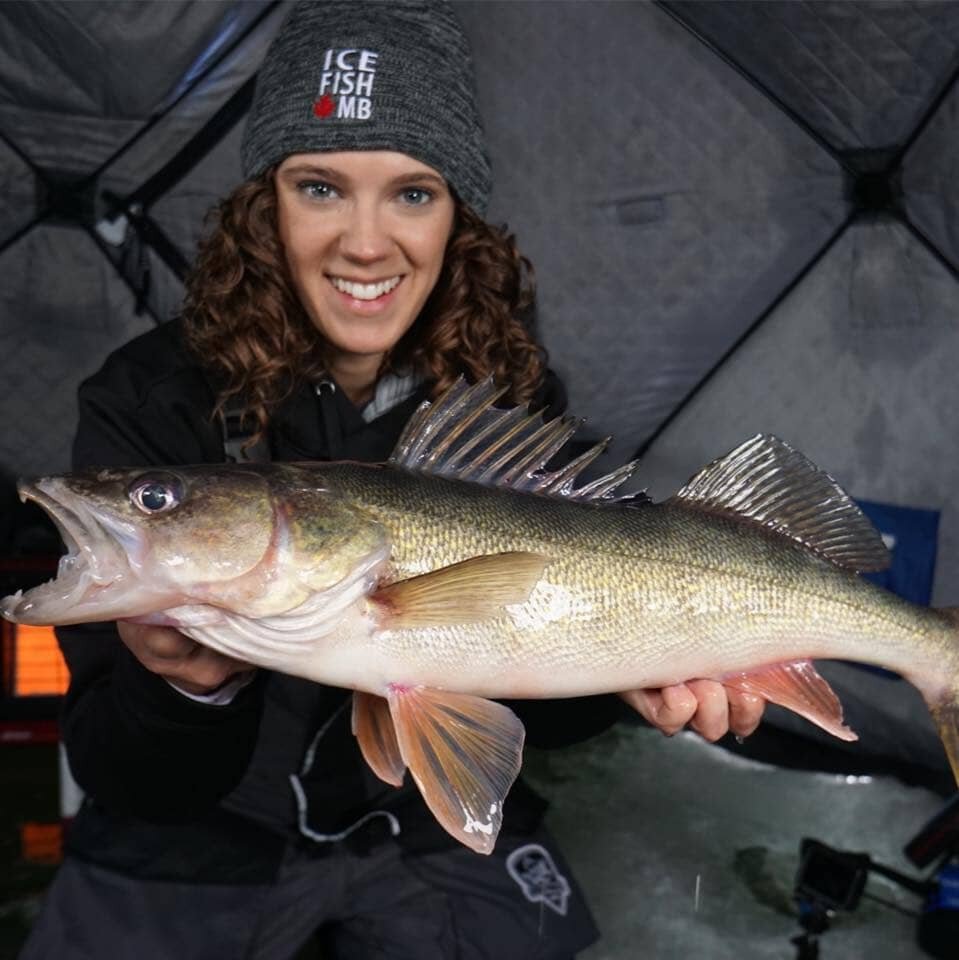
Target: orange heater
<point x="33" y="676"/>
<point x="41" y="842"/>
<point x="33" y="664"/>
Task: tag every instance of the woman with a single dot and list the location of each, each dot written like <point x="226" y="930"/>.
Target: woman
<point x="350" y="276"/>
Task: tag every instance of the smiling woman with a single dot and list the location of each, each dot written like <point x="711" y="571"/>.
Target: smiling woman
<point x="365" y="236"/>
<point x="350" y="277"/>
<point x="352" y="267"/>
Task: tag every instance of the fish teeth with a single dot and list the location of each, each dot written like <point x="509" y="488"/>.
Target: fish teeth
<point x="365" y="291"/>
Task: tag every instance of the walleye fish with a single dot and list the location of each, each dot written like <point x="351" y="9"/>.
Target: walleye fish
<point x="464" y="569"/>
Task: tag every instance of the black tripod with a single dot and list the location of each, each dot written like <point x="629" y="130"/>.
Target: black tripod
<point x="814" y="919"/>
<point x="831" y="880"/>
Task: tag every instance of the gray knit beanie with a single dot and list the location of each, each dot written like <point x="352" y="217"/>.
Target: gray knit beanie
<point x="371" y="75"/>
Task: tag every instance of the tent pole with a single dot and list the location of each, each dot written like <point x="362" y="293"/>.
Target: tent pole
<point x="38" y="173"/>
<point x="253" y="26"/>
<point x="755" y="82"/>
<point x="925" y="119"/>
<point x="760" y="320"/>
<point x="929" y="245"/>
<point x="193" y="151"/>
<point x="142" y="301"/>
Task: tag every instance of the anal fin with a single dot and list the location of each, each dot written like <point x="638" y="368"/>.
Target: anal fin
<point x="799" y="687"/>
<point x="464" y="753"/>
<point x="373" y="728"/>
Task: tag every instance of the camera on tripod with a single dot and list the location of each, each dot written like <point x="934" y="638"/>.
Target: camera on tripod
<point x="829" y="881"/>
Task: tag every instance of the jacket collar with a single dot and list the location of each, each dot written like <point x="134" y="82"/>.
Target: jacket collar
<point x="319" y="422"/>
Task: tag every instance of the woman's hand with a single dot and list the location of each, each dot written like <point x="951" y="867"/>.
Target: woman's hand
<point x="184" y="662"/>
<point x="711" y="709"/>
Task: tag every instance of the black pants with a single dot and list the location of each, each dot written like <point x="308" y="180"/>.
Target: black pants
<point x="521" y="902"/>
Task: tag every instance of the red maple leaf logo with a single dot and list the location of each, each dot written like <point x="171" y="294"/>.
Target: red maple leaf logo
<point x="324" y="106"/>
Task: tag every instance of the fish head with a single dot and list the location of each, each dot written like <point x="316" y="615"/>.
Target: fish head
<point x="233" y="536"/>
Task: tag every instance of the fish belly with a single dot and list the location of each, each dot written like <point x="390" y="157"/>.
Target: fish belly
<point x="566" y="642"/>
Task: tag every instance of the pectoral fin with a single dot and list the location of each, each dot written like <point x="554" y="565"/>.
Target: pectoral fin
<point x="468" y="592"/>
<point x="464" y="753"/>
<point x="798" y="687"/>
<point x="373" y="728"/>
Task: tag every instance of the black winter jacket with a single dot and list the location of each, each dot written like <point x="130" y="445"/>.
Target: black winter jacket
<point x="181" y="789"/>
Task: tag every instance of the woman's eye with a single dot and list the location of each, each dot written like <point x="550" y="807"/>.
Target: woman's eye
<point x="416" y="196"/>
<point x="319" y="190"/>
<point x="154" y="496"/>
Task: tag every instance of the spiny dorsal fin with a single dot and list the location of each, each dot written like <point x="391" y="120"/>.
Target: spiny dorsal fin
<point x="463" y="436"/>
<point x="767" y="482"/>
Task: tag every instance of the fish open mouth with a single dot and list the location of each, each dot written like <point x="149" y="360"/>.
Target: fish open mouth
<point x="94" y="562"/>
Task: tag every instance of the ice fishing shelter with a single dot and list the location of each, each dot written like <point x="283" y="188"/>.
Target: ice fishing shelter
<point x="741" y="214"/>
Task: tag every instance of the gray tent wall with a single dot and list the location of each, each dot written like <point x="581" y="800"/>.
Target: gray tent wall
<point x="96" y="98"/>
<point x="740" y="215"/>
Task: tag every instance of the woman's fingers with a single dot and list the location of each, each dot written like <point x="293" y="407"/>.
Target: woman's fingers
<point x="668" y="709"/>
<point x="158" y="644"/>
<point x="711" y="719"/>
<point x="745" y="711"/>
<point x="175" y="657"/>
<point x="206" y="671"/>
<point x="159" y="649"/>
<point x="711" y="709"/>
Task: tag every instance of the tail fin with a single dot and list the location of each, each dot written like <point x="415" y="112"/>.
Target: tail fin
<point x="945" y="713"/>
<point x="943" y="702"/>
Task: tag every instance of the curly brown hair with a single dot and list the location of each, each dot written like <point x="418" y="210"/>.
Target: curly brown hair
<point x="246" y="325"/>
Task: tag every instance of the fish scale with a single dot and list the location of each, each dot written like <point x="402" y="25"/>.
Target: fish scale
<point x="664" y="594"/>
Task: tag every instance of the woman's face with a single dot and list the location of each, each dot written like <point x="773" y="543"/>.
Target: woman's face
<point x="365" y="233"/>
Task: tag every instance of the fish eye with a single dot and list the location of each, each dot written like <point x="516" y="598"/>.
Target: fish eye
<point x="155" y="494"/>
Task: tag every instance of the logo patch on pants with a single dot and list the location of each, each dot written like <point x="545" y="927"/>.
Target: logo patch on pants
<point x="533" y="869"/>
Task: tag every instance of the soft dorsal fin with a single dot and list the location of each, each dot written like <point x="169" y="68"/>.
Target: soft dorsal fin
<point x="463" y="436"/>
<point x="767" y="482"/>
